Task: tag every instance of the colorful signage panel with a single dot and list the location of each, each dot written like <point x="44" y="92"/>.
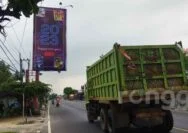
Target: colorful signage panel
<point x="49" y="40"/>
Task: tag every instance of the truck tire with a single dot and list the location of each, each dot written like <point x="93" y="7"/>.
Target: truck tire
<point x="89" y="117"/>
<point x="103" y="119"/>
<point x="111" y="122"/>
<point x="168" y="121"/>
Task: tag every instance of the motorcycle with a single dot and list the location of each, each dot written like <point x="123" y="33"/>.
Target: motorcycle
<point x="57" y="104"/>
<point x="53" y="102"/>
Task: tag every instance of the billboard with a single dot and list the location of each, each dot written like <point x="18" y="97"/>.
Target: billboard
<point x="49" y="40"/>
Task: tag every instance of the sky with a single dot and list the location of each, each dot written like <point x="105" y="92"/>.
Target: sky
<point x="93" y="26"/>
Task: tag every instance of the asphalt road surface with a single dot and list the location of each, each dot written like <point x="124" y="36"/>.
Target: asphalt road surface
<point x="70" y="117"/>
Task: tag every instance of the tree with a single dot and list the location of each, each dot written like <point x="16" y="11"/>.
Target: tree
<point x="9" y="83"/>
<point x="15" y="8"/>
<point x="52" y="96"/>
<point x="74" y="91"/>
<point x="5" y="73"/>
<point x="68" y="90"/>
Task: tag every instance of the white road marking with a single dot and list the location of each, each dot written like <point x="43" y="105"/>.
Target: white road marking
<point x="49" y="124"/>
<point x="177" y="111"/>
<point x="181" y="129"/>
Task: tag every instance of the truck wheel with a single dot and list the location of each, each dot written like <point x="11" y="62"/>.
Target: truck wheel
<point x="168" y="121"/>
<point x="103" y="119"/>
<point x="111" y="122"/>
<point x="89" y="117"/>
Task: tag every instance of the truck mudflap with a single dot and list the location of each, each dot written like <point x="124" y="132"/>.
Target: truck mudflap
<point x="148" y="118"/>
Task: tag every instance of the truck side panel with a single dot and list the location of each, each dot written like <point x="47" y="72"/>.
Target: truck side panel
<point x="102" y="79"/>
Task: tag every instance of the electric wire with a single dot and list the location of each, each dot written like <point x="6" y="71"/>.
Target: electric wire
<point x="8" y="57"/>
<point x="41" y="3"/>
<point x="23" y="32"/>
<point x="10" y="26"/>
<point x="12" y="68"/>
<point x="9" y="51"/>
<point x="14" y="48"/>
<point x="18" y="39"/>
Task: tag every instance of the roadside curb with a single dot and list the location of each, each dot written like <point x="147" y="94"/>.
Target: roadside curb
<point x="49" y="123"/>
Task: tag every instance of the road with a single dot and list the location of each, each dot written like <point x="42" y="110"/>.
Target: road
<point x="70" y="117"/>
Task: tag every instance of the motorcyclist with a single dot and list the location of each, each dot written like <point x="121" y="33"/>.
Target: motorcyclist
<point x="53" y="101"/>
<point x="57" y="101"/>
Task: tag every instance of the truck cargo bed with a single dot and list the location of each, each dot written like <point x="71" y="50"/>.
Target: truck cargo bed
<point x="141" y="69"/>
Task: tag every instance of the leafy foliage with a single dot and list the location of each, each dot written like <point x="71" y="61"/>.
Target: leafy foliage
<point x="36" y="89"/>
<point x="4" y="72"/>
<point x="74" y="91"/>
<point x="11" y="87"/>
<point x="9" y="84"/>
<point x="15" y="8"/>
<point x="52" y="96"/>
<point x="68" y="90"/>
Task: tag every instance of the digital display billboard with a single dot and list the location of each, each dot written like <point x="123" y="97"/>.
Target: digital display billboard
<point x="49" y="40"/>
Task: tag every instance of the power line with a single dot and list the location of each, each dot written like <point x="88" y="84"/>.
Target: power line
<point x="15" y="49"/>
<point x="9" y="51"/>
<point x="10" y="26"/>
<point x="12" y="68"/>
<point x="7" y="56"/>
<point x="12" y="49"/>
<point x="23" y="32"/>
<point x="18" y="39"/>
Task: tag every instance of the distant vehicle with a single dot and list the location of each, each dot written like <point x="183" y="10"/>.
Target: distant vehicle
<point x="71" y="97"/>
<point x="120" y="81"/>
<point x="52" y="101"/>
<point x="57" y="104"/>
<point x="58" y="99"/>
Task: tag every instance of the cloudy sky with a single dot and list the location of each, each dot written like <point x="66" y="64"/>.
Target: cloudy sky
<point x="93" y="26"/>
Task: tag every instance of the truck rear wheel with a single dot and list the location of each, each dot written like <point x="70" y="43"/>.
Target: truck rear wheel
<point x="111" y="122"/>
<point x="89" y="118"/>
<point x="168" y="121"/>
<point x="103" y="119"/>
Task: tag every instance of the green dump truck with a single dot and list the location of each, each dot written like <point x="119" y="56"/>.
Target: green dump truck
<point x="186" y="63"/>
<point x="129" y="86"/>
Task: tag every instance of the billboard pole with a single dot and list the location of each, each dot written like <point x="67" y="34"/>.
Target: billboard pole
<point x="37" y="75"/>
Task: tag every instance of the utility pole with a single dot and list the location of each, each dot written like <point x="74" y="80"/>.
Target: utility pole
<point x="21" y="68"/>
<point x="23" y="96"/>
<point x="27" y="80"/>
<point x="27" y="71"/>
